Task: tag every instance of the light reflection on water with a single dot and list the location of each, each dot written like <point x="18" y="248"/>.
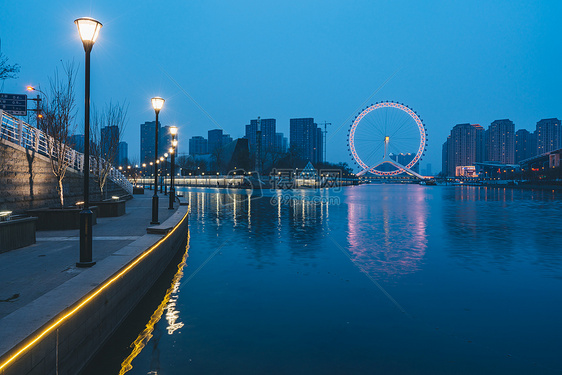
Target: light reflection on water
<point x="387" y="238"/>
<point x="269" y="289"/>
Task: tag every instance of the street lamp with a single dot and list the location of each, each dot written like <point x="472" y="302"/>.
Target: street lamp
<point x="89" y="29"/>
<point x="38" y="109"/>
<point x="157" y="104"/>
<point x="172" y="198"/>
<point x="165" y="173"/>
<point x="161" y="169"/>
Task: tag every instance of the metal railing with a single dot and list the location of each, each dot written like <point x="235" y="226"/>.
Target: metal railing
<point x="20" y="133"/>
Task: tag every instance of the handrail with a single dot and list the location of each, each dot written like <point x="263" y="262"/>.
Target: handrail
<point x="22" y="134"/>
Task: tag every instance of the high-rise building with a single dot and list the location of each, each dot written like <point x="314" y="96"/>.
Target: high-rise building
<point x="197" y="146"/>
<point x="307" y="139"/>
<point x="226" y="139"/>
<point x="445" y="157"/>
<point x="525" y="145"/>
<point x="77" y="142"/>
<point x="549" y="135"/>
<point x="464" y="147"/>
<point x="164" y="140"/>
<point x="214" y="139"/>
<point x="281" y="143"/>
<point x="123" y="154"/>
<point x="109" y="142"/>
<point x="500" y="142"/>
<point x="147" y="134"/>
<point x="267" y="128"/>
<point x="404" y="159"/>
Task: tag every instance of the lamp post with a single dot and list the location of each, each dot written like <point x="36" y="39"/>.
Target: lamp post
<point x="38" y="109"/>
<point x="89" y="29"/>
<point x="165" y="173"/>
<point x="172" y="198"/>
<point x="161" y="161"/>
<point x="157" y="104"/>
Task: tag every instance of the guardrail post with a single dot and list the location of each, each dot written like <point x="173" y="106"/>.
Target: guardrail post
<point x="20" y="132"/>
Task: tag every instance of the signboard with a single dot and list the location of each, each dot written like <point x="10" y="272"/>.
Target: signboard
<point x="14" y="104"/>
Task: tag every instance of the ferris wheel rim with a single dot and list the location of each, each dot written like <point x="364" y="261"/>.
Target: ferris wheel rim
<point x="387" y="104"/>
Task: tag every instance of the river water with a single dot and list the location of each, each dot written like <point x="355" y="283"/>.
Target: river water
<point x="371" y="279"/>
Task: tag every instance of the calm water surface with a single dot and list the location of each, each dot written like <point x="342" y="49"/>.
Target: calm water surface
<point x="373" y="279"/>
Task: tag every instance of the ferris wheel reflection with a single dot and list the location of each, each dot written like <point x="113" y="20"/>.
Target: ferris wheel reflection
<point x="374" y="243"/>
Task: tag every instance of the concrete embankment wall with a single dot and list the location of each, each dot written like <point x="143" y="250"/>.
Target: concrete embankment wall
<point x="27" y="181"/>
<point x="61" y="331"/>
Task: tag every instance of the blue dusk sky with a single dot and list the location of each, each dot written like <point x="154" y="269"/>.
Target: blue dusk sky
<point x="222" y="63"/>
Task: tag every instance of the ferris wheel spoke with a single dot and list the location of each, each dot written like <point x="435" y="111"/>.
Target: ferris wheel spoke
<point x="371" y="154"/>
<point x="374" y="126"/>
<point x="404" y="122"/>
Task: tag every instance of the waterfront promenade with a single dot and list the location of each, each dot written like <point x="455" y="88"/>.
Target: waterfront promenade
<point x="32" y="271"/>
<point x="41" y="283"/>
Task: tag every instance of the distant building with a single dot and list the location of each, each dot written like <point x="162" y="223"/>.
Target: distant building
<point x="147" y="134"/>
<point x="226" y="139"/>
<point x="525" y="145"/>
<point x="404" y="159"/>
<point x="198" y="146"/>
<point x="110" y="142"/>
<point x="267" y="129"/>
<point x="464" y="147"/>
<point x="281" y="143"/>
<point x="77" y="142"/>
<point x="549" y="135"/>
<point x="123" y="154"/>
<point x="165" y="140"/>
<point x="307" y="139"/>
<point x="214" y="139"/>
<point x="445" y="157"/>
<point x="500" y="142"/>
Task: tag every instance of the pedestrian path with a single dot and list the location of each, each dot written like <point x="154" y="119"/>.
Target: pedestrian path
<point x="30" y="272"/>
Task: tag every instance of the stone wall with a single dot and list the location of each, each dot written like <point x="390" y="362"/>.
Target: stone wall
<point x="27" y="181"/>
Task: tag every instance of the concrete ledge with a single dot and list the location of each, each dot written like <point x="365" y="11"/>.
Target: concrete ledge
<point x="60" y="218"/>
<point x="16" y="233"/>
<point x="66" y="326"/>
<point x="166" y="226"/>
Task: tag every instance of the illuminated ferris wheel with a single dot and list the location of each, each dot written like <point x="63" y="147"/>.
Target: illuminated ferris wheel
<point x="387" y="139"/>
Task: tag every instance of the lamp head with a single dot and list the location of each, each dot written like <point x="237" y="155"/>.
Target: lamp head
<point x="89" y="29"/>
<point x="173" y="130"/>
<point x="171" y="150"/>
<point x="165" y="154"/>
<point x="174" y="143"/>
<point x="157" y="103"/>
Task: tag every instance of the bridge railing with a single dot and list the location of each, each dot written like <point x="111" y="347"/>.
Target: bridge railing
<point x="20" y="133"/>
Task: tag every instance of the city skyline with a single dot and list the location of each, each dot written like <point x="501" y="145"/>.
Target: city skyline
<point x="450" y="62"/>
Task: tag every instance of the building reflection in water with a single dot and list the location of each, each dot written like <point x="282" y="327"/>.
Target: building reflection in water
<point x="374" y="243"/>
<point x="501" y="227"/>
<point x="168" y="304"/>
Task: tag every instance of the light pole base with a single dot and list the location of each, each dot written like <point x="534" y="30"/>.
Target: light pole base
<point x="86" y="237"/>
<point x="85" y="264"/>
<point x="172" y="198"/>
<point x="155" y="210"/>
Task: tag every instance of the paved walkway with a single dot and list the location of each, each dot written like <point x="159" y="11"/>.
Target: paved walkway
<point x="30" y="272"/>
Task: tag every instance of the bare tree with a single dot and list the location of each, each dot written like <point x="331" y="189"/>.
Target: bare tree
<point x="107" y="129"/>
<point x="58" y="123"/>
<point x="6" y="70"/>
